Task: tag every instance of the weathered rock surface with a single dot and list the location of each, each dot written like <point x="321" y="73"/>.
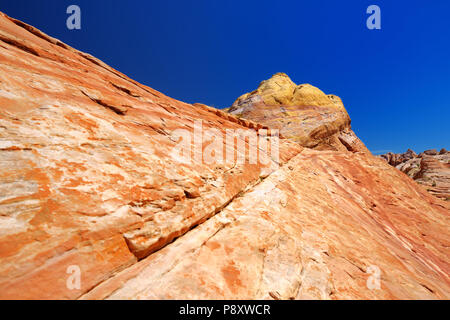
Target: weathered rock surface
<point x="394" y="159"/>
<point x="87" y="180"/>
<point x="430" y="169"/>
<point x="86" y="176"/>
<point x="302" y="113"/>
<point x="309" y="231"/>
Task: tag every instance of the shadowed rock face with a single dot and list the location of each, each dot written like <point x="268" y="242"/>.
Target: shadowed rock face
<point x="87" y="180"/>
<point x="302" y="113"/>
<point x="430" y="169"/>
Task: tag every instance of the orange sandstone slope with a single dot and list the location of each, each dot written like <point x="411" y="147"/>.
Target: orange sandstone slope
<point x="87" y="183"/>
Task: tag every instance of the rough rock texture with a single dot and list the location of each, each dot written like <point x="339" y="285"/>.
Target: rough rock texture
<point x="302" y="113"/>
<point x="309" y="231"/>
<point x="394" y="159"/>
<point x="85" y="173"/>
<point x="430" y="168"/>
<point x="87" y="179"/>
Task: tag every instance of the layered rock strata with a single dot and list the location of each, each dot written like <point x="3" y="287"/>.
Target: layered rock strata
<point x="89" y="183"/>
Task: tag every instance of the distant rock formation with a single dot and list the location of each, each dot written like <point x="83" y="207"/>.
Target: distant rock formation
<point x="430" y="168"/>
<point x="302" y="113"/>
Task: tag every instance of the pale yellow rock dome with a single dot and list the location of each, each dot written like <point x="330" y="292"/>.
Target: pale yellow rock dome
<point x="281" y="90"/>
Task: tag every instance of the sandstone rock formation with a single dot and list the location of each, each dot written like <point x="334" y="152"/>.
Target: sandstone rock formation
<point x="430" y="169"/>
<point x="87" y="181"/>
<point x="302" y="113"/>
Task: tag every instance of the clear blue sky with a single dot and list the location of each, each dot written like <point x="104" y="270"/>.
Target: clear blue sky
<point x="395" y="82"/>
